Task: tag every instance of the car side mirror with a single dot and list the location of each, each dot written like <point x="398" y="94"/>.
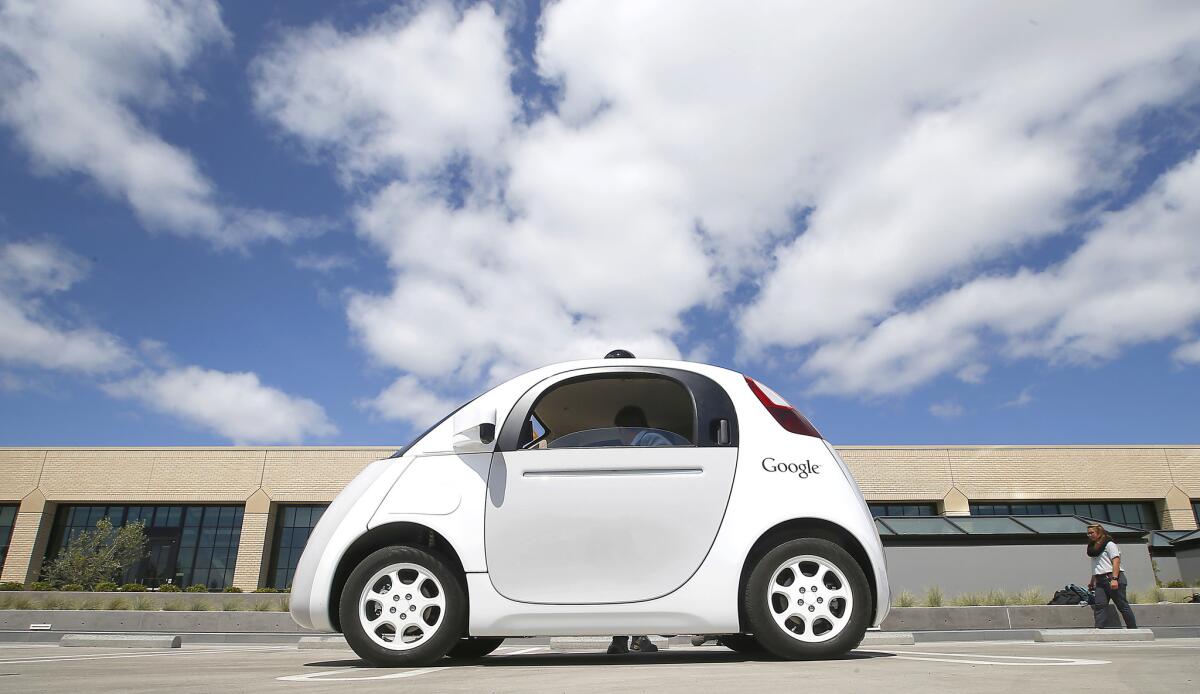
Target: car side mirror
<point x="474" y="430"/>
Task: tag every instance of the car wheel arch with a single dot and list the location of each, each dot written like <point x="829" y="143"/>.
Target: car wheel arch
<point x="798" y="528"/>
<point x="390" y="534"/>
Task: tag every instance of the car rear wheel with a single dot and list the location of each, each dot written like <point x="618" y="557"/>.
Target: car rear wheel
<point x="402" y="607"/>
<point x="808" y="599"/>
<point x="474" y="647"/>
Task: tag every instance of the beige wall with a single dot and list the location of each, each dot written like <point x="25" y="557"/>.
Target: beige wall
<point x="40" y="478"/>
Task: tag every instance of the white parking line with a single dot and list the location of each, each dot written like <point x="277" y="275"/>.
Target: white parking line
<point x="324" y="675"/>
<point x="1007" y="660"/>
<point x="107" y="656"/>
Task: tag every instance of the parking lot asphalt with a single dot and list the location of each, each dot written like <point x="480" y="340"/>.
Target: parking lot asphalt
<point x="1163" y="666"/>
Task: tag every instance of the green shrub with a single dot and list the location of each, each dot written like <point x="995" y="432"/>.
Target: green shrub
<point x="99" y="554"/>
<point x="232" y="589"/>
<point x="89" y="604"/>
<point x="262" y="607"/>
<point x="933" y="597"/>
<point x="1177" y="584"/>
<point x="1030" y="596"/>
<point x="968" y="600"/>
<point x="133" y="588"/>
<point x="12" y="585"/>
<point x="172" y="606"/>
<point x="198" y="606"/>
<point x="1156" y="595"/>
<point x="260" y="590"/>
<point x="41" y="585"/>
<point x="197" y="588"/>
<point x="283" y="604"/>
<point x="906" y="599"/>
<point x="20" y="602"/>
<point x="72" y="587"/>
<point x="118" y="604"/>
<point x="230" y="606"/>
<point x="169" y="588"/>
<point x="55" y="603"/>
<point x="106" y="587"/>
<point x="143" y="603"/>
<point x="1133" y="597"/>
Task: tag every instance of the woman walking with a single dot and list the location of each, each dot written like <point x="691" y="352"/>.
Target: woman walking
<point x="1108" y="580"/>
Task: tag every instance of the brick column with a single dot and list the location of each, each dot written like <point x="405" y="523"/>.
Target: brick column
<point x="30" y="533"/>
<point x="1176" y="511"/>
<point x="252" y="545"/>
<point x="955" y="503"/>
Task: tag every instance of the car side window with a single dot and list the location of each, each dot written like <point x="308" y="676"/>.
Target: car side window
<point x="612" y="410"/>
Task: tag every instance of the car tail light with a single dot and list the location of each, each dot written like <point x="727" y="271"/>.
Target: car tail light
<point x="787" y="416"/>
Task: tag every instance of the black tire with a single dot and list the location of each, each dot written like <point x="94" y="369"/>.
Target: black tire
<point x="742" y="643"/>
<point x="473" y="647"/>
<point x="449" y="625"/>
<point x="760" y="609"/>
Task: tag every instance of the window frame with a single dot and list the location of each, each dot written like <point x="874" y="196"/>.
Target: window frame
<point x="276" y="542"/>
<point x="1097" y="509"/>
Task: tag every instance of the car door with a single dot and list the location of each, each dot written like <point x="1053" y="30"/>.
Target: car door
<point x="582" y="511"/>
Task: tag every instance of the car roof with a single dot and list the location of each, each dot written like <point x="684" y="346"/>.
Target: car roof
<point x="563" y="366"/>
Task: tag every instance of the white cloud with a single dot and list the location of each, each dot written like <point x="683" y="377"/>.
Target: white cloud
<point x="1188" y="354"/>
<point x="972" y="373"/>
<point x="30" y="335"/>
<point x="1135" y="279"/>
<point x="1023" y="398"/>
<point x="322" y="263"/>
<point x="683" y="151"/>
<point x="401" y="93"/>
<point x="76" y="77"/>
<point x="407" y="400"/>
<point x="236" y="406"/>
<point x="947" y="409"/>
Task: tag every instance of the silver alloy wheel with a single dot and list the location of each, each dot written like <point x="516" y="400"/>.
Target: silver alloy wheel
<point x="810" y="598"/>
<point x="402" y="606"/>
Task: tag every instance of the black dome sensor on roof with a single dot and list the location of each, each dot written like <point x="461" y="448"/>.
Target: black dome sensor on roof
<point x="619" y="354"/>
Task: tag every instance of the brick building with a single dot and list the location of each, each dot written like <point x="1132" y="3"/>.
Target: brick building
<point x="240" y="516"/>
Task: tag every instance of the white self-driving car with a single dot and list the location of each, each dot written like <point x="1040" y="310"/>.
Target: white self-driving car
<point x="610" y="496"/>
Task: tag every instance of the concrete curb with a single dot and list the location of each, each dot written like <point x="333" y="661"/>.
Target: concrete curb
<point x="331" y="641"/>
<point x="888" y="638"/>
<point x="1032" y="617"/>
<point x="117" y="621"/>
<point x="1058" y="635"/>
<point x="121" y="641"/>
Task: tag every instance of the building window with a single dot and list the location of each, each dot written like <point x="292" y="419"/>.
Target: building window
<point x="1135" y="513"/>
<point x="293" y="525"/>
<point x="890" y="509"/>
<point x="8" y="518"/>
<point x="185" y="544"/>
<point x="1196" y="511"/>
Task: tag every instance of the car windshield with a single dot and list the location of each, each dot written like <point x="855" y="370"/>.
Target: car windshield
<point x="400" y="453"/>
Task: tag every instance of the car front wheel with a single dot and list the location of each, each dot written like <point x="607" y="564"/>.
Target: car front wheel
<point x="402" y="607"/>
<point x="808" y="599"/>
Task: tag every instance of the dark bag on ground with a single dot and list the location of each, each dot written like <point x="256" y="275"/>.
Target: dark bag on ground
<point x="1194" y="599"/>
<point x="1072" y="594"/>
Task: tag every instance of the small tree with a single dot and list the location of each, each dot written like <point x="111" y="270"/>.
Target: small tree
<point x="99" y="555"/>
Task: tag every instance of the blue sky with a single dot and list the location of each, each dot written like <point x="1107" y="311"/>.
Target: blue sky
<point x="282" y="223"/>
